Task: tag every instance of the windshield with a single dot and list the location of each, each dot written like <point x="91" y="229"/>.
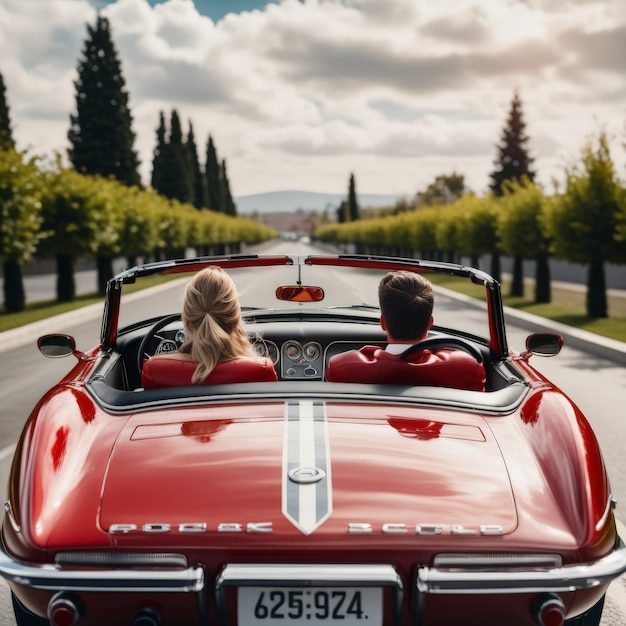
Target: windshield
<point x="344" y="288"/>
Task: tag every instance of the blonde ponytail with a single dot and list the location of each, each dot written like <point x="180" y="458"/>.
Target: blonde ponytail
<point x="212" y="316"/>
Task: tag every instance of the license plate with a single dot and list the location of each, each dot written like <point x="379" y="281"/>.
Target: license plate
<point x="310" y="606"/>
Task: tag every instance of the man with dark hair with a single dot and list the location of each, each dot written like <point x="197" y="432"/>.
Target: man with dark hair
<point x="406" y="307"/>
<point x="406" y="304"/>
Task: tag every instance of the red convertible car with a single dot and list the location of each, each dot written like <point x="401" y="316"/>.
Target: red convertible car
<point x="304" y="501"/>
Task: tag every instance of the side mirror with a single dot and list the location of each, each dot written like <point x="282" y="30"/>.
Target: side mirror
<point x="543" y="344"/>
<point x="56" y="346"/>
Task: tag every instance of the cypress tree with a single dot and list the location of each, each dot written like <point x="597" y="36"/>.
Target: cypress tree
<point x="198" y="179"/>
<point x="513" y="164"/>
<point x="101" y="129"/>
<point x="212" y="174"/>
<point x="353" y="206"/>
<point x="171" y="168"/>
<point x="342" y="212"/>
<point x="6" y="136"/>
<point x="227" y="203"/>
<point x="180" y="175"/>
<point x="159" y="155"/>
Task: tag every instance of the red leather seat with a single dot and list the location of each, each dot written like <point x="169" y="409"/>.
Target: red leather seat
<point x="158" y="372"/>
<point x="446" y="367"/>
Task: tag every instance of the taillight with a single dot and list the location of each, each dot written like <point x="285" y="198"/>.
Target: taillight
<point x="63" y="610"/>
<point x="549" y="610"/>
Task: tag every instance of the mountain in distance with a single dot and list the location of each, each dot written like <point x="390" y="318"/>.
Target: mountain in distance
<point x="307" y="201"/>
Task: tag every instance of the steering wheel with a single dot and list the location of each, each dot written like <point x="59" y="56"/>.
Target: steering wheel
<point x="444" y="342"/>
<point x="149" y="336"/>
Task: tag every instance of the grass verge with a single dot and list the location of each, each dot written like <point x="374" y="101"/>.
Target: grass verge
<point x="45" y="309"/>
<point x="567" y="306"/>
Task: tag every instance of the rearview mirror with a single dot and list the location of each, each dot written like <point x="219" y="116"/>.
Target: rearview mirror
<point x="300" y="293"/>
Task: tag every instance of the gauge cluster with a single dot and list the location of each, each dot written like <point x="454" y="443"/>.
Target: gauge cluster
<point x="168" y="342"/>
<point x="301" y="360"/>
<point x="296" y="360"/>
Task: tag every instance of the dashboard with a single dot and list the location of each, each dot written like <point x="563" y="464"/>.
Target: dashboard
<point x="298" y="349"/>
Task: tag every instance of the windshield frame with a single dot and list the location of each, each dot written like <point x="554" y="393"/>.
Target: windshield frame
<point x="495" y="311"/>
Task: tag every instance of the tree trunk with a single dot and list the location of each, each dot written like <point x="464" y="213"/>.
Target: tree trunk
<point x="517" y="280"/>
<point x="596" y="290"/>
<point x="105" y="272"/>
<point x="496" y="272"/>
<point x="543" y="289"/>
<point x="14" y="297"/>
<point x="66" y="287"/>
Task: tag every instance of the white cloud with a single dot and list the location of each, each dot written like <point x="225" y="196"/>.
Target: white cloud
<point x="304" y="93"/>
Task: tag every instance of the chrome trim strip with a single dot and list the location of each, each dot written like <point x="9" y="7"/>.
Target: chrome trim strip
<point x="323" y="391"/>
<point x="605" y="515"/>
<point x="567" y="578"/>
<point x="310" y="575"/>
<point x="9" y="512"/>
<point x="190" y="580"/>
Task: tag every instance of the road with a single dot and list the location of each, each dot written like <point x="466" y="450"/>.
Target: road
<point x="597" y="384"/>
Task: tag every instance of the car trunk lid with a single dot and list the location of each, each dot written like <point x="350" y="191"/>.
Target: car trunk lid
<point x="306" y="467"/>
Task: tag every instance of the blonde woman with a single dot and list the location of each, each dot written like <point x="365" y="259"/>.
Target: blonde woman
<point x="217" y="350"/>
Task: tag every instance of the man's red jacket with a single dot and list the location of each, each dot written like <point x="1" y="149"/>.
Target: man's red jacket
<point x="446" y="367"/>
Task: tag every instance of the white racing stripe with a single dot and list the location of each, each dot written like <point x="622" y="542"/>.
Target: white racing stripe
<point x="307" y="490"/>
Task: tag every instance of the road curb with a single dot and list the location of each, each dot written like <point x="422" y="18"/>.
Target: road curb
<point x="63" y="323"/>
<point x="17" y="337"/>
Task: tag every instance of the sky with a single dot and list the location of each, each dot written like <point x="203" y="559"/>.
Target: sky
<point x="299" y="94"/>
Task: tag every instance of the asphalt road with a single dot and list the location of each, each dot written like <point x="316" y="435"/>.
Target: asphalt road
<point x="595" y="382"/>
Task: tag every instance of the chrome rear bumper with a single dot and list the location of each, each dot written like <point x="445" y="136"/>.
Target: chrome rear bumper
<point x="431" y="580"/>
<point x="53" y="578"/>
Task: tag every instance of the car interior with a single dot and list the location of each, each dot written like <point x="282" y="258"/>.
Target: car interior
<point x="300" y="346"/>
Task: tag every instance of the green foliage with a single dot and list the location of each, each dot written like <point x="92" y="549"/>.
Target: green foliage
<point x="138" y="232"/>
<point x="445" y="189"/>
<point x="21" y="187"/>
<point x="448" y="231"/>
<point x="520" y="226"/>
<point x="584" y="222"/>
<point x="424" y="231"/>
<point x="101" y="129"/>
<point x="478" y="225"/>
<point x="71" y="211"/>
